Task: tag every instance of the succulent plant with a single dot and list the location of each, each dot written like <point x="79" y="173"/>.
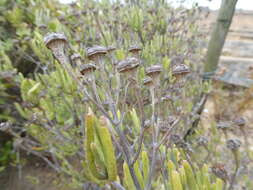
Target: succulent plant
<point x="129" y="148"/>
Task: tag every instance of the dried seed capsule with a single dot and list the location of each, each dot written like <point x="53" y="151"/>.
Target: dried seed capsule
<point x="53" y="40"/>
<point x="202" y="141"/>
<point x="128" y="65"/>
<point x="180" y="71"/>
<point x="240" y="122"/>
<point x="154" y="71"/>
<point x="223" y="125"/>
<point x="176" y="139"/>
<point x="147" y="123"/>
<point x="5" y="126"/>
<point x="110" y="49"/>
<point x="171" y="119"/>
<point x="185" y="146"/>
<point x="135" y="50"/>
<point x="87" y="68"/>
<point x="148" y="82"/>
<point x="76" y="59"/>
<point x="42" y="27"/>
<point x="162" y="125"/>
<point x="57" y="43"/>
<point x="219" y="171"/>
<point x="167" y="98"/>
<point x="95" y="52"/>
<point x="233" y="144"/>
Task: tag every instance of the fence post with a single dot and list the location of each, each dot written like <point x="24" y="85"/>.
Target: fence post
<point x="219" y="34"/>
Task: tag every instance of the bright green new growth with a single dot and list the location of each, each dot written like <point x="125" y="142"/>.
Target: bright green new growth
<point x="180" y="175"/>
<point x="145" y="165"/>
<point x="191" y="180"/>
<point x="183" y="177"/>
<point x="128" y="181"/>
<point x="139" y="174"/>
<point x="176" y="181"/>
<point x="102" y="167"/>
<point x="108" y="150"/>
<point x="90" y="156"/>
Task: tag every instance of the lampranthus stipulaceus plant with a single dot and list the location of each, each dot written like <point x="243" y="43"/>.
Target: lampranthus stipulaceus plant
<point x="130" y="142"/>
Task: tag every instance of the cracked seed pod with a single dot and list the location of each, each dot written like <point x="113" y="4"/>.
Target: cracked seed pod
<point x="87" y="69"/>
<point x="176" y="139"/>
<point x="5" y="126"/>
<point x="154" y="72"/>
<point x="110" y="49"/>
<point x="180" y="71"/>
<point x="42" y="27"/>
<point x="171" y="119"/>
<point x="223" y="125"/>
<point x="148" y="82"/>
<point x="76" y="59"/>
<point x="167" y="98"/>
<point x="162" y="125"/>
<point x="240" y="122"/>
<point x="135" y="50"/>
<point x="147" y="123"/>
<point x="185" y="146"/>
<point x="128" y="65"/>
<point x="202" y="141"/>
<point x="96" y="52"/>
<point x="219" y="171"/>
<point x="57" y="43"/>
<point x="233" y="144"/>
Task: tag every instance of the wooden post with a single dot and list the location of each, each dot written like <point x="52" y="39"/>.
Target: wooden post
<point x="219" y="34"/>
<point x="214" y="50"/>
